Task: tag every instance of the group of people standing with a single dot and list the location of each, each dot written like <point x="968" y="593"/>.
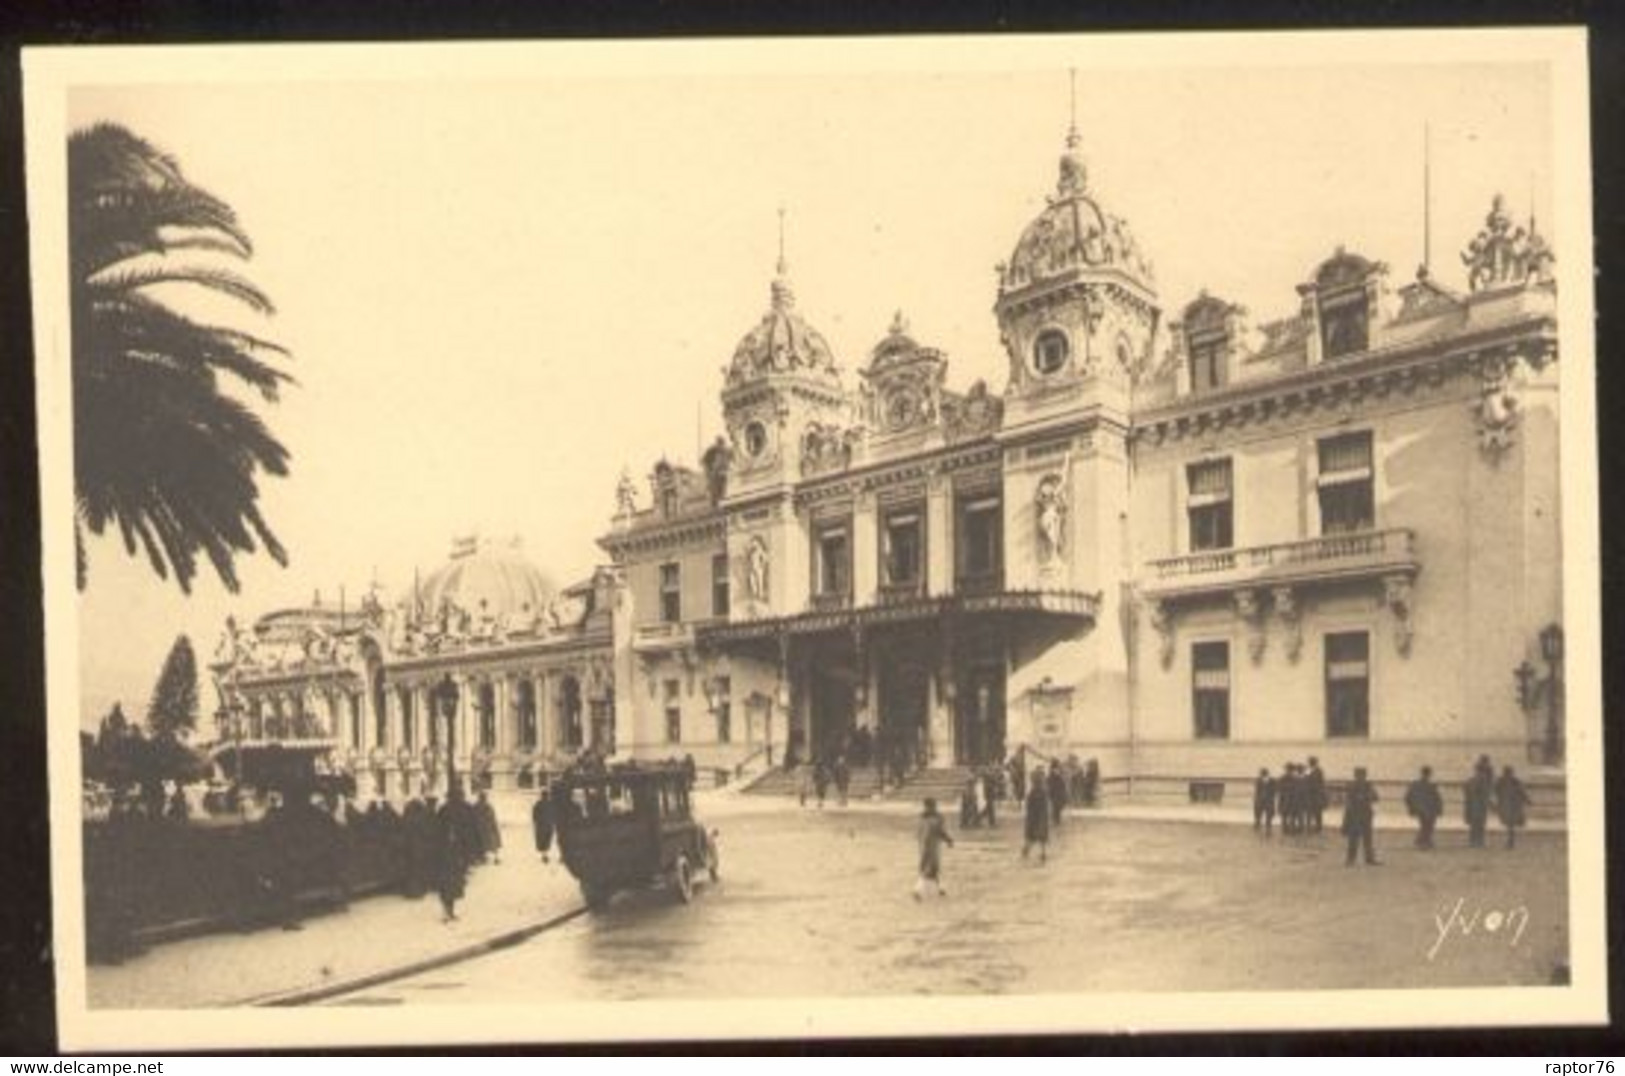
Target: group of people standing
<point x="437" y="843"/>
<point x="1299" y="795"/>
<point x="1482" y="793"/>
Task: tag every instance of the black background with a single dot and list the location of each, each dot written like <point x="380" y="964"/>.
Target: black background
<point x="27" y="1014"/>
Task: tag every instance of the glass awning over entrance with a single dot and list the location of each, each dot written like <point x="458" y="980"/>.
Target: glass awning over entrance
<point x="1072" y="605"/>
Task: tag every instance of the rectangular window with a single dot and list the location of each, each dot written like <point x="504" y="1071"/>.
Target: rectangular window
<point x="724" y="710"/>
<point x="834" y="554"/>
<point x="380" y="723"/>
<point x="488" y="716"/>
<point x="1210" y="505"/>
<point x="671" y="593"/>
<point x="526" y="705"/>
<point x="1210" y="690"/>
<point x="979" y="540"/>
<point x="674" y="712"/>
<point x="355" y="720"/>
<point x="902" y="541"/>
<point x="1347" y="503"/>
<point x="408" y="721"/>
<point x="1208" y="366"/>
<point x="1348" y="684"/>
<point x="719" y="585"/>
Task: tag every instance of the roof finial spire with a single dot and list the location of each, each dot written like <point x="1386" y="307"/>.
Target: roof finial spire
<point x="1072" y="138"/>
<point x="1426" y="267"/>
<point x="783" y="297"/>
<point x="1074" y="179"/>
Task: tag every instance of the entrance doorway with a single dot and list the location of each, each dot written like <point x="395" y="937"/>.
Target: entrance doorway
<point x="979" y="718"/>
<point x="904" y="707"/>
<point x="834" y="709"/>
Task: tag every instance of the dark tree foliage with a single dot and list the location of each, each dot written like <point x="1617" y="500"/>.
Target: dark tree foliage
<point x="161" y="449"/>
<point x="174" y="700"/>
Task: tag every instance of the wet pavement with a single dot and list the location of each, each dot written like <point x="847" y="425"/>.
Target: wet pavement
<point x="820" y="903"/>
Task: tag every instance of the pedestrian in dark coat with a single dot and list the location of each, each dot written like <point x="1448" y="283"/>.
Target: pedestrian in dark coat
<point x="1018" y="778"/>
<point x="1038" y="817"/>
<point x="1091" y="783"/>
<point x="1359" y="818"/>
<point x="821" y="781"/>
<point x="1476" y="796"/>
<point x="419" y="845"/>
<point x="457" y="846"/>
<point x="485" y="817"/>
<point x="969" y="816"/>
<point x="1264" y="802"/>
<point x="1055" y="788"/>
<point x="542" y="819"/>
<point x="843" y="779"/>
<point x="1289" y="798"/>
<point x="990" y="795"/>
<point x="933" y="834"/>
<point x="1423" y="803"/>
<point x="1511" y="801"/>
<point x="1314" y="797"/>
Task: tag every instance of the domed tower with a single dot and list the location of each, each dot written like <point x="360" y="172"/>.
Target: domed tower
<point x="782" y="385"/>
<point x="1077" y="305"/>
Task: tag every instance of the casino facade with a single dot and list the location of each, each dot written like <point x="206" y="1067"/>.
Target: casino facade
<point x="1178" y="540"/>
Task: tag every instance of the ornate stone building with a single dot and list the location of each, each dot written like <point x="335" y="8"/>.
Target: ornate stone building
<point x="1179" y="541"/>
<point x="484" y="658"/>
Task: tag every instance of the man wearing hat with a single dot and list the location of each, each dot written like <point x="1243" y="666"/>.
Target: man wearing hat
<point x="1359" y="809"/>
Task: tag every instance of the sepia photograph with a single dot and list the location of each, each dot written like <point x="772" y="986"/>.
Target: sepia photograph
<point x="717" y="539"/>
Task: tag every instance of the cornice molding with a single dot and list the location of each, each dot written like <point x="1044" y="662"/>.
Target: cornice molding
<point x="1347" y="382"/>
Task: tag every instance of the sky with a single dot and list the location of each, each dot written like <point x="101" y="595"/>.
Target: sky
<point x="501" y="291"/>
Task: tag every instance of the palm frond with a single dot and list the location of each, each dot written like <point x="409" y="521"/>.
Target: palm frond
<point x="161" y="452"/>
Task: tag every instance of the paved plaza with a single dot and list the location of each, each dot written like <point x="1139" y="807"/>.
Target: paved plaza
<point x="820" y="903"/>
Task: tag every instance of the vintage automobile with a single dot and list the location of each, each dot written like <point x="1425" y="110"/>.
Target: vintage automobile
<point x="629" y="826"/>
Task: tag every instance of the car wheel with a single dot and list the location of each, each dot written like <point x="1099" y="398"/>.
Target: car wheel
<point x="683" y="877"/>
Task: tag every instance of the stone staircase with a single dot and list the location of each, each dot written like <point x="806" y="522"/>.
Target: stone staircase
<point x="944" y="784"/>
<point x="787" y="783"/>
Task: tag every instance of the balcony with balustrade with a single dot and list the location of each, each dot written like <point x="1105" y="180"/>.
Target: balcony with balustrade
<point x="1367" y="554"/>
<point x="663" y="635"/>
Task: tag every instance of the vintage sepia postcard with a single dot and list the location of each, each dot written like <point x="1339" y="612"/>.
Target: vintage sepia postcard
<point x="791" y="538"/>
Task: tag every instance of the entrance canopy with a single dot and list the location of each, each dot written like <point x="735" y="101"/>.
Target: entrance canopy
<point x="1069" y="605"/>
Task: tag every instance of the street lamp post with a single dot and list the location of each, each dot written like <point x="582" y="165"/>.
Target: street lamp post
<point x="446" y="697"/>
<point x="1533" y="687"/>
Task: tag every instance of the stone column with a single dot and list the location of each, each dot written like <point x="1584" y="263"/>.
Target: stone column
<point x="939" y="561"/>
<point x="866" y="568"/>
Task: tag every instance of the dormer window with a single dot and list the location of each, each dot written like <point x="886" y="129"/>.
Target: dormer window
<point x="1343" y="326"/>
<point x="1050" y="351"/>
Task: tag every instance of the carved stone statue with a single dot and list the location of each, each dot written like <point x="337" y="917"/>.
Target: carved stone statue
<point x="626" y="495"/>
<point x="756" y="565"/>
<point x="717" y="460"/>
<point x="1497" y="405"/>
<point x="1503" y="253"/>
<point x="1051" y="505"/>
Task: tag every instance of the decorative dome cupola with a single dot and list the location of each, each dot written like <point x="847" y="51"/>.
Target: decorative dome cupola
<point x="1077" y="299"/>
<point x="783" y="381"/>
<point x="782" y="343"/>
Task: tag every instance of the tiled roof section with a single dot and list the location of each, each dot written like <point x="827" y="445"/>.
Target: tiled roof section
<point x="1425" y="299"/>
